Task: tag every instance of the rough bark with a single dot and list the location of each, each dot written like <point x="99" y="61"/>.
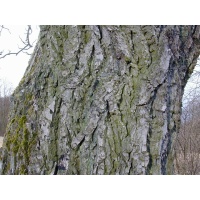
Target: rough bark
<point x="100" y="100"/>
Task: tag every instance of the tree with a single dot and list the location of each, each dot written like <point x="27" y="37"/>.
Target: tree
<point x="100" y="100"/>
<point x="5" y="92"/>
<point x="187" y="142"/>
<point x="187" y="146"/>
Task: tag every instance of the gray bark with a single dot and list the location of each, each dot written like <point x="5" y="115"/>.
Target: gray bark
<point x="100" y="100"/>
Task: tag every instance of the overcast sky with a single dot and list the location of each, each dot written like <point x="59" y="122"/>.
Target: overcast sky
<point x="12" y="67"/>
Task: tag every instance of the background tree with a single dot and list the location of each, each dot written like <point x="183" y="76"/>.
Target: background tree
<point x="187" y="146"/>
<point x="100" y="100"/>
<point x="5" y="92"/>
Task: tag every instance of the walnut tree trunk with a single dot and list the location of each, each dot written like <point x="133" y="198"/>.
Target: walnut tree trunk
<point x="100" y="100"/>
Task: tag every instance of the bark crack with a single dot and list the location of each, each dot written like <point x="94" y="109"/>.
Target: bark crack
<point x="100" y="32"/>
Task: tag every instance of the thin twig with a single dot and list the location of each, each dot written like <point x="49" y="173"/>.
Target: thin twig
<point x="2" y="27"/>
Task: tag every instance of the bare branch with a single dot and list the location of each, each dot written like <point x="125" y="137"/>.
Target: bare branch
<point x="2" y="27"/>
<point x="26" y="44"/>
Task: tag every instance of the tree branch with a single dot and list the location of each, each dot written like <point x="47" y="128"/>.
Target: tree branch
<point x="26" y="43"/>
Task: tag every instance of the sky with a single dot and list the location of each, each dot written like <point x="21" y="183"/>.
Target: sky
<point x="12" y="67"/>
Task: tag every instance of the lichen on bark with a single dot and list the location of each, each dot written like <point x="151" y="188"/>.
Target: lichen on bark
<point x="100" y="100"/>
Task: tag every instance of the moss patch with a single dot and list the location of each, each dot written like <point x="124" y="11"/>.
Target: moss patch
<point x="20" y="143"/>
<point x="87" y="37"/>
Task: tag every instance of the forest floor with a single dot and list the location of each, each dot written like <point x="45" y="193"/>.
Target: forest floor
<point x="1" y="141"/>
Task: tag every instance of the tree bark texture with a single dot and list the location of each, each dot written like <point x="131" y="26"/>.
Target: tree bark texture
<point x="100" y="100"/>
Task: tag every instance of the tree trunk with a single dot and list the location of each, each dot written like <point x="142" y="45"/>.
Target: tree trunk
<point x="100" y="100"/>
